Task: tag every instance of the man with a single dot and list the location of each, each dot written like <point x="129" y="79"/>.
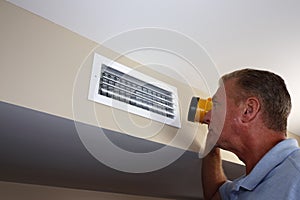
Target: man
<point x="249" y="116"/>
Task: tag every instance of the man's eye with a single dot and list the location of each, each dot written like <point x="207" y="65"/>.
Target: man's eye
<point x="215" y="104"/>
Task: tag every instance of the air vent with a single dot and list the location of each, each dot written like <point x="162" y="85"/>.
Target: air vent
<point x="116" y="85"/>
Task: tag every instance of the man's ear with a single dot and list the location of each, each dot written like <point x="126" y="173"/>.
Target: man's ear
<point x="250" y="109"/>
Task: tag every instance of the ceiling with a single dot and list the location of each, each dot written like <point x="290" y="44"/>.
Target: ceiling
<point x="233" y="34"/>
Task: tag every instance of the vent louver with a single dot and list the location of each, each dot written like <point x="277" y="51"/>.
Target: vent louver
<point x="136" y="93"/>
<point x="122" y="87"/>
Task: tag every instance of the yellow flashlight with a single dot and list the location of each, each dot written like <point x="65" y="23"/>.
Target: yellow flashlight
<point x="198" y="109"/>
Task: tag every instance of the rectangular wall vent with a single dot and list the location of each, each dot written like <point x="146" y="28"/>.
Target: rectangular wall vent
<point x="116" y="85"/>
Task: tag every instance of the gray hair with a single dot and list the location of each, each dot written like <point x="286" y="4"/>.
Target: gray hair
<point x="270" y="89"/>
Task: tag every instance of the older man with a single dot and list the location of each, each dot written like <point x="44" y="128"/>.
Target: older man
<point x="249" y="118"/>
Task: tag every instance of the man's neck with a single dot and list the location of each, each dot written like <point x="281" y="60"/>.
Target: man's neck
<point x="254" y="149"/>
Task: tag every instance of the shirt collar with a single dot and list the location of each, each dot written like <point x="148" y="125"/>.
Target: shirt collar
<point x="271" y="159"/>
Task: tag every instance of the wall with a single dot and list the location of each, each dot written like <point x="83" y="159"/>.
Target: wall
<point x="14" y="191"/>
<point x="39" y="61"/>
<point x="47" y="68"/>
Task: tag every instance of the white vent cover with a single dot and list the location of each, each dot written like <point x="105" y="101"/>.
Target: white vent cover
<point x="116" y="85"/>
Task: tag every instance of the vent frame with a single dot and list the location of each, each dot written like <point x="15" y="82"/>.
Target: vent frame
<point x="169" y="114"/>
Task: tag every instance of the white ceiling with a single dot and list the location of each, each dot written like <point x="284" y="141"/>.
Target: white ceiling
<point x="258" y="33"/>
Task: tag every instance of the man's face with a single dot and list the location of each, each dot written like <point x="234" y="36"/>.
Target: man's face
<point x="221" y="119"/>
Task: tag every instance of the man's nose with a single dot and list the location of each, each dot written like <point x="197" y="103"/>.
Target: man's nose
<point x="206" y="118"/>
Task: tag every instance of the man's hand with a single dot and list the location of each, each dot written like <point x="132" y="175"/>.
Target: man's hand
<point x="212" y="175"/>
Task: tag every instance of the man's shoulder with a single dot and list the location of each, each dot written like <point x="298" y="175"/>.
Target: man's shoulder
<point x="294" y="159"/>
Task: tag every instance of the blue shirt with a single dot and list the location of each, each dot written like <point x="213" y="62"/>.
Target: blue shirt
<point x="275" y="176"/>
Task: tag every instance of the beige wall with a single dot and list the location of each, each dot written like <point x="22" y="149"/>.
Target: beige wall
<point x="17" y="191"/>
<point x="47" y="68"/>
<point x="39" y="61"/>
